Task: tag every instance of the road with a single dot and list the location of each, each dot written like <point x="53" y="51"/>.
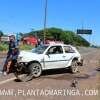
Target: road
<point x="56" y="84"/>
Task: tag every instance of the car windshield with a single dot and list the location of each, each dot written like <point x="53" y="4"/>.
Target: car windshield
<point x="39" y="49"/>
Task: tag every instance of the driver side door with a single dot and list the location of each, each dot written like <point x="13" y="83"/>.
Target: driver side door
<point x="54" y="58"/>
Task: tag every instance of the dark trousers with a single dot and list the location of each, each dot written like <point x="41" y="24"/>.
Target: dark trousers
<point x="6" y="62"/>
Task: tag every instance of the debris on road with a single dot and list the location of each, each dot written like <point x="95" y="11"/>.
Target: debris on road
<point x="74" y="83"/>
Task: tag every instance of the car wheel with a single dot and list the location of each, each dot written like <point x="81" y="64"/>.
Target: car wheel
<point x="35" y="70"/>
<point x="74" y="66"/>
<point x="21" y="75"/>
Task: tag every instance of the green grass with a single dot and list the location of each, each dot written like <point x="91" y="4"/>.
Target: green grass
<point x="26" y="47"/>
<point x="4" y="47"/>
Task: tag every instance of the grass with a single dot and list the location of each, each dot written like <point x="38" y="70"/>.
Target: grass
<point x="26" y="47"/>
<point x="4" y="47"/>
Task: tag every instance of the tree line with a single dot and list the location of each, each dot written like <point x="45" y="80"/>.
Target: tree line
<point x="57" y="34"/>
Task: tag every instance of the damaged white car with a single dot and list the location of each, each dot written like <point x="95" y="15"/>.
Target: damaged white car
<point x="51" y="56"/>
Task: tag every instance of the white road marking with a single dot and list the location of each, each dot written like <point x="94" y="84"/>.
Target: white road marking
<point x="8" y="80"/>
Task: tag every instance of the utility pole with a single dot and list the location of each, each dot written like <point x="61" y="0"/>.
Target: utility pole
<point x="45" y="19"/>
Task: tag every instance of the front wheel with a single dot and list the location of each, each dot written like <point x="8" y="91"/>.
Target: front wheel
<point x="21" y="73"/>
<point x="35" y="69"/>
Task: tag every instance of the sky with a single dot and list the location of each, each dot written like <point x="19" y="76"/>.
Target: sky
<point x="25" y="15"/>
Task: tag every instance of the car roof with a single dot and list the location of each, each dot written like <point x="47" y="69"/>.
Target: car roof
<point x="57" y="44"/>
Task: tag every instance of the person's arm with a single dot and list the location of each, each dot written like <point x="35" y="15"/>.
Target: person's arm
<point x="15" y="55"/>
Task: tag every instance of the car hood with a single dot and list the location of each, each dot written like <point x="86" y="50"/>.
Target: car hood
<point x="28" y="55"/>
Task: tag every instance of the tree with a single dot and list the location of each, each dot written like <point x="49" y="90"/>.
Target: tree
<point x="1" y="33"/>
<point x="68" y="37"/>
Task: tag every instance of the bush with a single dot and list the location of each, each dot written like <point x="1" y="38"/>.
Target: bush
<point x="3" y="47"/>
<point x="68" y="37"/>
<point x="26" y="47"/>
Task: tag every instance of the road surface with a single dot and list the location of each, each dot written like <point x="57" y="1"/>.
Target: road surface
<point x="57" y="84"/>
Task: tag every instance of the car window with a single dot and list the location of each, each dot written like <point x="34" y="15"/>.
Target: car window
<point x="55" y="50"/>
<point x="39" y="49"/>
<point x="68" y="49"/>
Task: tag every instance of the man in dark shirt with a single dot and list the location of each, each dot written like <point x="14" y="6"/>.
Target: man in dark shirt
<point x="12" y="60"/>
<point x="10" y="50"/>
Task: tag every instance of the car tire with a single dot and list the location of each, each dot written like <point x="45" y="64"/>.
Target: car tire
<point x="74" y="67"/>
<point x="35" y="70"/>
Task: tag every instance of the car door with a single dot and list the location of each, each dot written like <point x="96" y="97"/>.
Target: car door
<point x="54" y="58"/>
<point x="68" y="55"/>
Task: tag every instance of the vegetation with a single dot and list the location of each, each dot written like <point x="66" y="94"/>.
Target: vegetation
<point x="68" y="37"/>
<point x="1" y="33"/>
<point x="26" y="47"/>
<point x="3" y="47"/>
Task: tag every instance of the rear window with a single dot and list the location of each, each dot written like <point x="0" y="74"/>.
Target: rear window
<point x="68" y="49"/>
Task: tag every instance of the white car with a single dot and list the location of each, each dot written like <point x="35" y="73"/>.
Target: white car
<point x="52" y="56"/>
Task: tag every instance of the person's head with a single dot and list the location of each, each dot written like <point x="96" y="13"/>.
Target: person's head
<point x="11" y="37"/>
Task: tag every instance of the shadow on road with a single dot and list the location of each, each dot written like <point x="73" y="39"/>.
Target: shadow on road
<point x="64" y="74"/>
<point x="55" y="71"/>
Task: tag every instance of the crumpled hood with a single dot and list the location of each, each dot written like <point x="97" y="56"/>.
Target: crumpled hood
<point x="27" y="53"/>
<point x="29" y="56"/>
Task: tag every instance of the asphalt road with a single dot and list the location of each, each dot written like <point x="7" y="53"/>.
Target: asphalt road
<point x="58" y="82"/>
<point x="2" y="60"/>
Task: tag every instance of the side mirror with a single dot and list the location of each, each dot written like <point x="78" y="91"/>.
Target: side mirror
<point x="48" y="54"/>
